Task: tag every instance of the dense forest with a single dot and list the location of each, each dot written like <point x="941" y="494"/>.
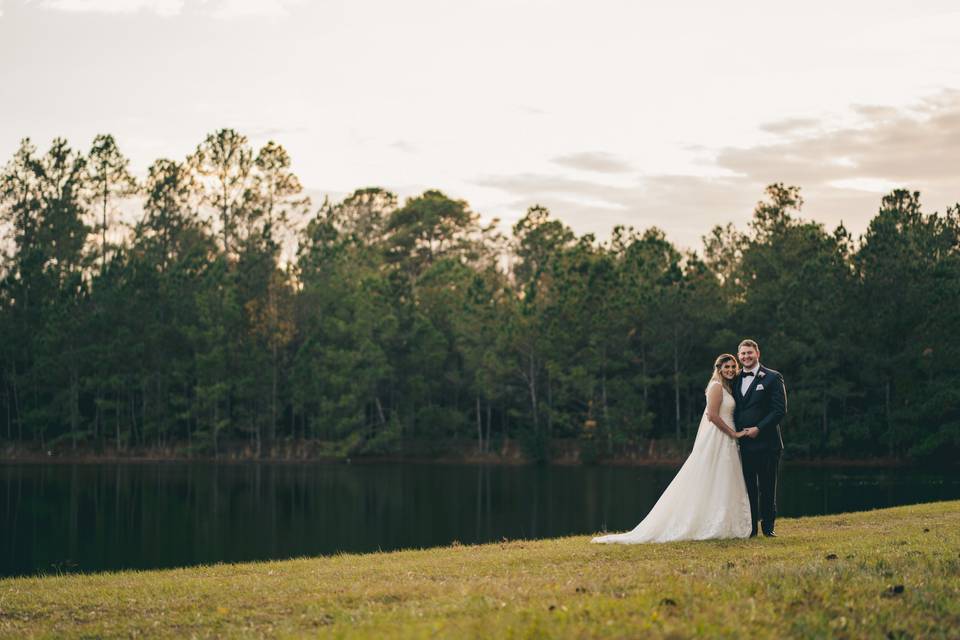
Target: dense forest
<point x="232" y="312"/>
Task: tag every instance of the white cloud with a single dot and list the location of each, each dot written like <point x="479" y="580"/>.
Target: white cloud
<point x="164" y="8"/>
<point x="593" y="161"/>
<point x="405" y="146"/>
<point x="221" y="9"/>
<point x="228" y="9"/>
<point x="843" y="173"/>
<point x="870" y="185"/>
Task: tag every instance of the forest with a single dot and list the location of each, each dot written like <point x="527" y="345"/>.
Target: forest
<point x="230" y="311"/>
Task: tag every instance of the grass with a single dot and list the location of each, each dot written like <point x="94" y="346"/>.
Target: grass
<point x="893" y="573"/>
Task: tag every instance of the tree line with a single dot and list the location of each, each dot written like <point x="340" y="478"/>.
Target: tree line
<point x="408" y="327"/>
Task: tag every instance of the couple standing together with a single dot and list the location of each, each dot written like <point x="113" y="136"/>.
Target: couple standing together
<point x="722" y="490"/>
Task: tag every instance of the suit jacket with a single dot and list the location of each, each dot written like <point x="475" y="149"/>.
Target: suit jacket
<point x="763" y="406"/>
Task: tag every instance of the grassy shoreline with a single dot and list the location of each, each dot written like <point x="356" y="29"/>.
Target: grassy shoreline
<point x="889" y="573"/>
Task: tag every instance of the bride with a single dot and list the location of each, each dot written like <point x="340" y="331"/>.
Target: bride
<point x="708" y="497"/>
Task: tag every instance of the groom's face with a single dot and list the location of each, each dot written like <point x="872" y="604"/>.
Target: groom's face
<point x="748" y="356"/>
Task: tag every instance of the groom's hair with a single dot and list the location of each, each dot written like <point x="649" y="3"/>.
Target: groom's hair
<point x="749" y="343"/>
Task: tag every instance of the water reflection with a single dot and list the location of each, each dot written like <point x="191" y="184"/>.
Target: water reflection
<point x="109" y="516"/>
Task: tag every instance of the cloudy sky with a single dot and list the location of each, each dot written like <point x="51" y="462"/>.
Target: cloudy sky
<point x="609" y="112"/>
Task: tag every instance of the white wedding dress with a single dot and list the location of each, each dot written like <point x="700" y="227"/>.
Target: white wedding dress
<point x="707" y="498"/>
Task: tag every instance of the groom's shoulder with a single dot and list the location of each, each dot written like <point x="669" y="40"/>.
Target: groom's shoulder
<point x="771" y="372"/>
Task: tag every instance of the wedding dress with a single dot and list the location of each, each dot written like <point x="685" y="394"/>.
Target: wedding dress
<point x="707" y="498"/>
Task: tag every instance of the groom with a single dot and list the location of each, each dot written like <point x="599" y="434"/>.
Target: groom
<point x="761" y="403"/>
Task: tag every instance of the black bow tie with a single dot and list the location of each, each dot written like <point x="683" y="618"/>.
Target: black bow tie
<point x="747" y="374"/>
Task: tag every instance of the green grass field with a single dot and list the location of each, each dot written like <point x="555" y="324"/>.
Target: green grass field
<point x="893" y="573"/>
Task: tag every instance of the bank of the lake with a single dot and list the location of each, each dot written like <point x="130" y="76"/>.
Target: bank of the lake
<point x="666" y="452"/>
<point x="891" y="573"/>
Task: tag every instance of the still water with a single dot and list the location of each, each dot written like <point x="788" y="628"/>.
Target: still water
<point x="94" y="517"/>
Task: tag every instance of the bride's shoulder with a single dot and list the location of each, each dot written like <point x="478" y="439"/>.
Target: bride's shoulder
<point x="716" y="383"/>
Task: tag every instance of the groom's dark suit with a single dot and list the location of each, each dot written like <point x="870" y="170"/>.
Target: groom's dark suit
<point x="763" y="406"/>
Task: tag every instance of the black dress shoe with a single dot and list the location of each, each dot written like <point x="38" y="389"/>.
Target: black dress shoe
<point x="770" y="534"/>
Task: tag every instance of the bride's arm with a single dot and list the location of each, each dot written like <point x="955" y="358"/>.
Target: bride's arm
<point x="714" y="399"/>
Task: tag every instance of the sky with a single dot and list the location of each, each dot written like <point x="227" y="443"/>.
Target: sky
<point x="608" y="112"/>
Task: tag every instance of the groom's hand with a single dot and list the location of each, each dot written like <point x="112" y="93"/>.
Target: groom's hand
<point x="752" y="432"/>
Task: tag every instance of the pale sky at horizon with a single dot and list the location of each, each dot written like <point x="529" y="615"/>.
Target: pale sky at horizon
<point x="608" y="112"/>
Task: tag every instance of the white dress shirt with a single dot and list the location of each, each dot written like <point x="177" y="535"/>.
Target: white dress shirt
<point x="746" y="381"/>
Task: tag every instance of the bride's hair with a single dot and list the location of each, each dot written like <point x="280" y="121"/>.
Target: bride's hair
<point x="722" y="359"/>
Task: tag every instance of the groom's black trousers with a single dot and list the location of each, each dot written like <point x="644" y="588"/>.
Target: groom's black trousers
<point x="760" y="471"/>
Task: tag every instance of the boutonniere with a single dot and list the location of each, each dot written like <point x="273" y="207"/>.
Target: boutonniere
<point x="761" y="374"/>
<point x="759" y="387"/>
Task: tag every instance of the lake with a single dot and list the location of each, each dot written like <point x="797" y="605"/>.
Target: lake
<point x="61" y="518"/>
